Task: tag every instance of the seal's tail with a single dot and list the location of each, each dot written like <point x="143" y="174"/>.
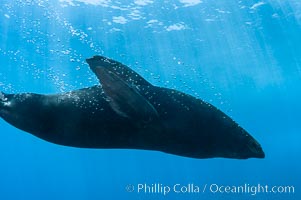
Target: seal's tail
<point x="3" y="99"/>
<point x="2" y="96"/>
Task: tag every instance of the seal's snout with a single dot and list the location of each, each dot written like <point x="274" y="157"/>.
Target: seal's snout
<point x="255" y="149"/>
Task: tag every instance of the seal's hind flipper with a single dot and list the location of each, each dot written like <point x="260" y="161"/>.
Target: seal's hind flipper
<point x="122" y="71"/>
<point x="124" y="98"/>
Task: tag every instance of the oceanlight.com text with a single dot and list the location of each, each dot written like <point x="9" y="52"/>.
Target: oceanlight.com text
<point x="192" y="188"/>
<point x="250" y="189"/>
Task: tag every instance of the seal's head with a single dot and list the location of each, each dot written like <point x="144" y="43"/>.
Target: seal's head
<point x="247" y="146"/>
<point x="241" y="145"/>
<point x="231" y="141"/>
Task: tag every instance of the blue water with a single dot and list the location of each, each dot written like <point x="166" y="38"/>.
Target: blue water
<point x="244" y="57"/>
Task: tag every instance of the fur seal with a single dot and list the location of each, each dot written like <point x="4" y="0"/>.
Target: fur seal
<point x="127" y="112"/>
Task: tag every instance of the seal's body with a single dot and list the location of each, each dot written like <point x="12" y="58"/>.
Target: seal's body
<point x="128" y="112"/>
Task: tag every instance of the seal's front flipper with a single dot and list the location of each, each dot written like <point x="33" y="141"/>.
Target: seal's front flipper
<point x="124" y="98"/>
<point x="123" y="72"/>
